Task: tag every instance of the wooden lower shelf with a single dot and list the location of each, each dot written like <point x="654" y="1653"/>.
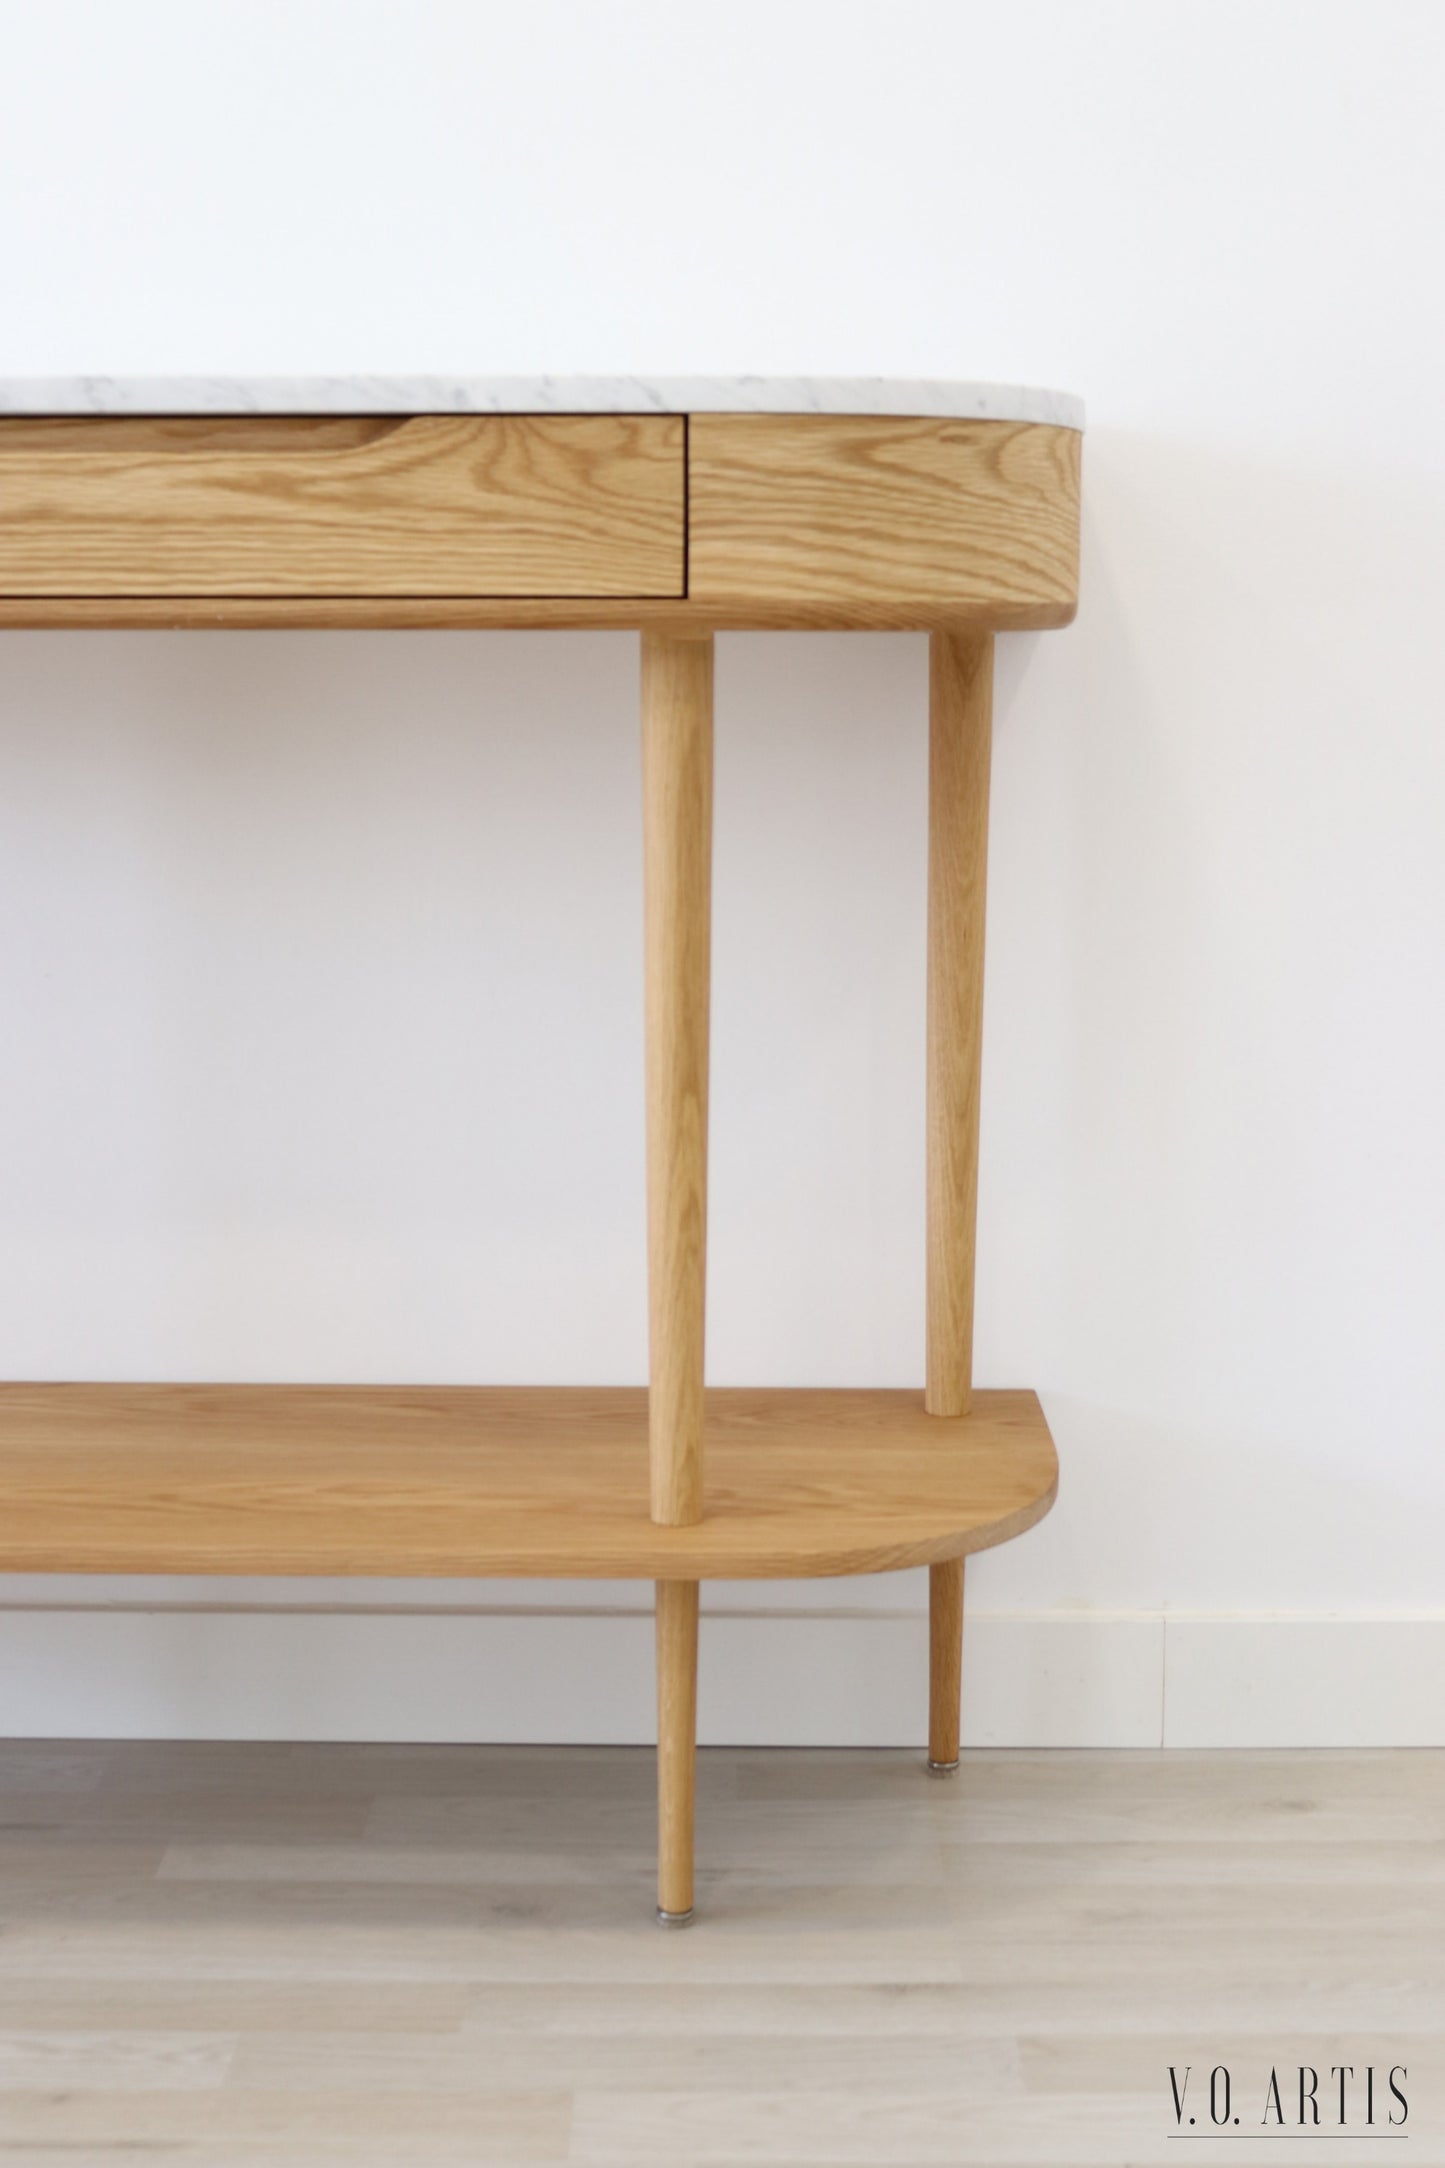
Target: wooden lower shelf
<point x="501" y="1480"/>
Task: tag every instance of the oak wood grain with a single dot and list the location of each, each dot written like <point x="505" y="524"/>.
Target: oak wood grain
<point x="971" y="519"/>
<point x="945" y="1660"/>
<point x="676" y="1633"/>
<point x="960" y="712"/>
<point x="547" y="520"/>
<point x="454" y="1480"/>
<point x="682" y="617"/>
<point x="677" y="677"/>
<point x="428" y="505"/>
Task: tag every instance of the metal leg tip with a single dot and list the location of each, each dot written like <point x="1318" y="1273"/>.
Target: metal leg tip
<point x="943" y="1768"/>
<point x="674" y="1919"/>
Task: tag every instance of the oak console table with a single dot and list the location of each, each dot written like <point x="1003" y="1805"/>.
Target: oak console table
<point x="678" y="509"/>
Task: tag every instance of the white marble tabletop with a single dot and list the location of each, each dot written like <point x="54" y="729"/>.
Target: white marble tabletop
<point x="929" y="396"/>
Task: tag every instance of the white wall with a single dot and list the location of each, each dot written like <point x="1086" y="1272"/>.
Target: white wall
<point x="320" y="973"/>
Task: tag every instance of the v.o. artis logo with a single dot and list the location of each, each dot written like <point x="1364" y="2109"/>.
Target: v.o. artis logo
<point x="1292" y="2101"/>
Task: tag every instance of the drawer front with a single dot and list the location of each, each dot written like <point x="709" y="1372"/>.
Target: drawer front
<point x="430" y="504"/>
<point x="883" y="517"/>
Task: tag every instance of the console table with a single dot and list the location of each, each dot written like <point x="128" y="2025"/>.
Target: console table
<point x="677" y="509"/>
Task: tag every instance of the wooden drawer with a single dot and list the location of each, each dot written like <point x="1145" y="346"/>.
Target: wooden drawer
<point x="871" y="519"/>
<point x="426" y="505"/>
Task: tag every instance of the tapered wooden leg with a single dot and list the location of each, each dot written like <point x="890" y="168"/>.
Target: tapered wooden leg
<point x="960" y="723"/>
<point x="676" y="1747"/>
<point x="945" y="1664"/>
<point x="677" y="853"/>
<point x="960" y="707"/>
<point x="677" y="848"/>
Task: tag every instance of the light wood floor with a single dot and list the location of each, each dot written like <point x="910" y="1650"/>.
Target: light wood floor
<point x="393" y="1956"/>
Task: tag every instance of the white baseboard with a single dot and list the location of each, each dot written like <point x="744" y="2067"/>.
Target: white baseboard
<point x="795" y="1676"/>
<point x="1296" y="1681"/>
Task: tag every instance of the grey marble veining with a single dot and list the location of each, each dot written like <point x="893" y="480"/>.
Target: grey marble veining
<point x="536" y="395"/>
